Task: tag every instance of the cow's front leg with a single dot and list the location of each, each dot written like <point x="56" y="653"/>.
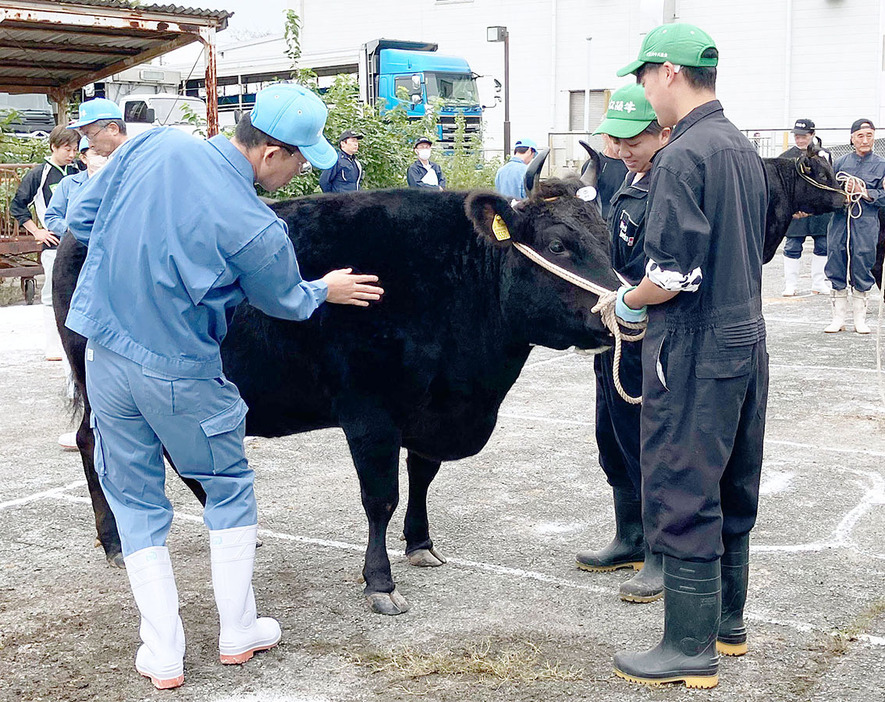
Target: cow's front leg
<point x="374" y="445"/>
<point x="416" y="528"/>
<point x="105" y="524"/>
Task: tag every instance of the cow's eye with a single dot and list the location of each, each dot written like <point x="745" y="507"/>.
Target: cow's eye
<point x="556" y="247"/>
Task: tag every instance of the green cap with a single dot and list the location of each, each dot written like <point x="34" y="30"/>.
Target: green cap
<point x="680" y="44"/>
<point x="629" y="113"/>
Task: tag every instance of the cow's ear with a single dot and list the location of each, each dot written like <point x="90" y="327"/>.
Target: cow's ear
<point x="492" y="216"/>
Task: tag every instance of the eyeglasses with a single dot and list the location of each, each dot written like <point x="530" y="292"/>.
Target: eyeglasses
<point x="94" y="134"/>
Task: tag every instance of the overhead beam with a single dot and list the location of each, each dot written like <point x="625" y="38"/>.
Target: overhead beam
<point x="50" y="65"/>
<point x="66" y="48"/>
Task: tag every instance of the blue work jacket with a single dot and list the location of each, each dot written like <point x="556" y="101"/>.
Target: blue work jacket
<point x="177" y="239"/>
<point x="62" y="197"/>
<point x="870" y="169"/>
<point x="345" y="176"/>
<point x="510" y="178"/>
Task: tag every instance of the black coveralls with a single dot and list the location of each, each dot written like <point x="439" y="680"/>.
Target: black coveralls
<point x="617" y="422"/>
<point x="704" y="362"/>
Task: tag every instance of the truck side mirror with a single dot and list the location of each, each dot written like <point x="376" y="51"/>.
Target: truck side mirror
<point x="150" y="115"/>
<point x="416" y="81"/>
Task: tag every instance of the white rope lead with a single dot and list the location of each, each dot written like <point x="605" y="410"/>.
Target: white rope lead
<point x="605" y="307"/>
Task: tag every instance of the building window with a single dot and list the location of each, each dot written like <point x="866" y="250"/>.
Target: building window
<point x="577" y="106"/>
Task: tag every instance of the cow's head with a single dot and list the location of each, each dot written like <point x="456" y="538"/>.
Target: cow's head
<point x="815" y="171"/>
<point x="566" y="230"/>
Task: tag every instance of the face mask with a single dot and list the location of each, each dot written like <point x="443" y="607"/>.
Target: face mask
<point x="424" y="154"/>
<point x="94" y="162"/>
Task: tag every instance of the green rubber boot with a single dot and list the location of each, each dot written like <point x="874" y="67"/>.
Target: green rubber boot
<point x="625" y="550"/>
<point x="687" y="652"/>
<point x="732" y="639"/>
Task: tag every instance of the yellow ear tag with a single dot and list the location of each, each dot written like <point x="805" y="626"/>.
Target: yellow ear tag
<point x="499" y="229"/>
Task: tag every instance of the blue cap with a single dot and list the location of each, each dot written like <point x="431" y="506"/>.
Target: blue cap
<point x="84" y="144"/>
<point x="528" y="143"/>
<point x="294" y="115"/>
<point x="94" y="110"/>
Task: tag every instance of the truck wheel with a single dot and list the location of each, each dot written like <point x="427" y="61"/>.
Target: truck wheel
<point x="29" y="290"/>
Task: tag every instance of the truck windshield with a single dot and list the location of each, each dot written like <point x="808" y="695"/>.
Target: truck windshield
<point x="25" y="102"/>
<point x="170" y="110"/>
<point x="456" y="88"/>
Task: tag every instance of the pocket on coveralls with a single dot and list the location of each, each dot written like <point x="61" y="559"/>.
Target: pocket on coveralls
<point x="98" y="453"/>
<point x="225" y="432"/>
<point x="728" y="367"/>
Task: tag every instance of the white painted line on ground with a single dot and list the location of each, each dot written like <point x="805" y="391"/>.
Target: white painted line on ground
<point x="505" y="571"/>
<point x="54" y="492"/>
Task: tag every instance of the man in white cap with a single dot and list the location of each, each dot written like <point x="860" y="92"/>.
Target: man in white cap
<point x="177" y="238"/>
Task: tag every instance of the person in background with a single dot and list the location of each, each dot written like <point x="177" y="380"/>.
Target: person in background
<point x="347" y="173"/>
<point x="510" y="178"/>
<point x="805" y="225"/>
<point x="866" y="177"/>
<point x="177" y="237"/>
<point x="636" y="135"/>
<point x="56" y="223"/>
<point x="35" y="191"/>
<point x="424" y="173"/>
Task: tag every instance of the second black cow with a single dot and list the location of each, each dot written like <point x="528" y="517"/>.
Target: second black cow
<point x="428" y="367"/>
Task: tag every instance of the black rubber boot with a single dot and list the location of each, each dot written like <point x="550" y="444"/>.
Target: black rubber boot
<point x="625" y="550"/>
<point x="687" y="653"/>
<point x="732" y="639"/>
<point x="648" y="584"/>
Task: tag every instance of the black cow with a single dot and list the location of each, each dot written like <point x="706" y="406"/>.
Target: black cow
<point x="791" y="189"/>
<point x="427" y="368"/>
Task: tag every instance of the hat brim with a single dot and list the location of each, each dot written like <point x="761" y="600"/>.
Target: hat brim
<point x="321" y="154"/>
<point x="84" y="122"/>
<point x="801" y="131"/>
<point x="631" y="67"/>
<point x="622" y="128"/>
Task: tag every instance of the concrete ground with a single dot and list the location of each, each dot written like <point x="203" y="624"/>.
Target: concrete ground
<point x="509" y="617"/>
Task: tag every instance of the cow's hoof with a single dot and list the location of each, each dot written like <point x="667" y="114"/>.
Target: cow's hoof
<point x="426" y="558"/>
<point x="116" y="560"/>
<point x="389" y="603"/>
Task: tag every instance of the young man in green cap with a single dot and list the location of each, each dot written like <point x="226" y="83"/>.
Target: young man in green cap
<point x="705" y="365"/>
<point x="636" y="135"/>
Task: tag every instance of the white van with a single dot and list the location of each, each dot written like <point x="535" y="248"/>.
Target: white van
<point x="143" y="112"/>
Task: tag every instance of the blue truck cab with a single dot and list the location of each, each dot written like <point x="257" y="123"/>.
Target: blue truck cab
<point x="413" y="75"/>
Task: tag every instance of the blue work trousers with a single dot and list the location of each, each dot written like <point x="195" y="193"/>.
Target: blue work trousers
<point x="793" y="246"/>
<point x="864" y="237"/>
<point x="137" y="412"/>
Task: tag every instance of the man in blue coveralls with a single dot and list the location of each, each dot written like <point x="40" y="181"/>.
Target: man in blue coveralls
<point x="510" y="178"/>
<point x="704" y="361"/>
<point x="177" y="238"/>
<point x="852" y="256"/>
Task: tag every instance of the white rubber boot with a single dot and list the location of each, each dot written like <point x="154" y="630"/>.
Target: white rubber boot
<point x="53" y="351"/>
<point x="161" y="656"/>
<point x="791" y="276"/>
<point x="242" y="633"/>
<point x="859" y="306"/>
<point x="819" y="283"/>
<point x="840" y="310"/>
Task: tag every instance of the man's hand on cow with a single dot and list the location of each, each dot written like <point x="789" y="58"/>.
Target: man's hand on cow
<point x="801" y="215"/>
<point x="44" y="236"/>
<point x="347" y="288"/>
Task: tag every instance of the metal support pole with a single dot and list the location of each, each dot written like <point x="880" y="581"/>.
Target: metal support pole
<point x="506" y="94"/>
<point x="207" y="36"/>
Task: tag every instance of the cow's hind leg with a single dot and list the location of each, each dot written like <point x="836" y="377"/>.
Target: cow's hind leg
<point x="374" y="443"/>
<point x="416" y="528"/>
<point x="194" y="485"/>
<point x="105" y="524"/>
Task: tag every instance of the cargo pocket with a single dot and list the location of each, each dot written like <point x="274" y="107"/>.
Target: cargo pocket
<point x="724" y="367"/>
<point x="98" y="452"/>
<point x="225" y="432"/>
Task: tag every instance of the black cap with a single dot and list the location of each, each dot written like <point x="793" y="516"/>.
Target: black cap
<point x="423" y="140"/>
<point x="347" y="134"/>
<point x="803" y="126"/>
<point x="859" y="124"/>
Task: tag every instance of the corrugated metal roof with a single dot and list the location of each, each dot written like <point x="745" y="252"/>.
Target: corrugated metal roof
<point x="140" y="7"/>
<point x="56" y="47"/>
